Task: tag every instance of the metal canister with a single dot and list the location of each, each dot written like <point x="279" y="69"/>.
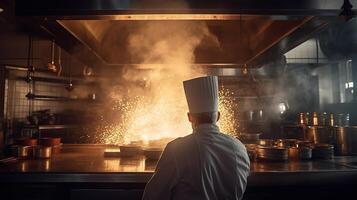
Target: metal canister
<point x="332" y="120"/>
<point x="315" y="119"/>
<point x="343" y="119"/>
<point x="302" y="119"/>
<point x="307" y="119"/>
<point x="319" y="134"/>
<point x="323" y="119"/>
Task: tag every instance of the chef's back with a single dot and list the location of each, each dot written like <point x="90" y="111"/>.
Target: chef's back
<point x="204" y="165"/>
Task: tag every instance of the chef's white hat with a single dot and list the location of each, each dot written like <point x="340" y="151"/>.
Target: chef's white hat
<point x="202" y="94"/>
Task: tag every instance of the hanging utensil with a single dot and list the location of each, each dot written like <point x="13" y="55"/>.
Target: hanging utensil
<point x="51" y="66"/>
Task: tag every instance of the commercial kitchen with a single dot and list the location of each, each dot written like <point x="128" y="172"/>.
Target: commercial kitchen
<point x="91" y="92"/>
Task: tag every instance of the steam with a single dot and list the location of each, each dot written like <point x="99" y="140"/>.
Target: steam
<point x="154" y="106"/>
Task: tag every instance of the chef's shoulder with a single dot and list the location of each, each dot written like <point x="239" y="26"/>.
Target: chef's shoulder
<point x="180" y="143"/>
<point x="237" y="145"/>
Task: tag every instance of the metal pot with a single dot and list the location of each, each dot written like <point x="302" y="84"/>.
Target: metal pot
<point x="287" y="143"/>
<point x="266" y="142"/>
<point x="24" y="152"/>
<point x="323" y="151"/>
<point x="272" y="153"/>
<point x="319" y="134"/>
<point x="43" y="152"/>
<point x="346" y="140"/>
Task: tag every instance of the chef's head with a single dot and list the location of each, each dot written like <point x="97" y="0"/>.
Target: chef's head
<point x="202" y="99"/>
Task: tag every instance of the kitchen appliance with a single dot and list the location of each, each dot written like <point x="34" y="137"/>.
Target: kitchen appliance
<point x="346" y="140"/>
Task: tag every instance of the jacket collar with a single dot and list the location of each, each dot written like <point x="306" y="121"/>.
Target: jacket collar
<point x="206" y="128"/>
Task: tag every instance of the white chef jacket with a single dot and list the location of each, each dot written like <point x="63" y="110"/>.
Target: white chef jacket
<point x="204" y="165"/>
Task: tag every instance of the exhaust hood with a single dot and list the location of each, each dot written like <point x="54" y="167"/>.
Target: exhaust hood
<point x="246" y="32"/>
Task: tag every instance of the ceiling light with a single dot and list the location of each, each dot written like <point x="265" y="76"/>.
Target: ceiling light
<point x="1" y="10"/>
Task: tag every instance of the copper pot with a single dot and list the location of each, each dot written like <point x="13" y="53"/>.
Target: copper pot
<point x="24" y="152"/>
<point x="43" y="152"/>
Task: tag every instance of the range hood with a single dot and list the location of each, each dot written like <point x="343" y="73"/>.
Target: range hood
<point x="249" y="32"/>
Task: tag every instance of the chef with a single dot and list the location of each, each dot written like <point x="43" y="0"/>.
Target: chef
<point x="206" y="164"/>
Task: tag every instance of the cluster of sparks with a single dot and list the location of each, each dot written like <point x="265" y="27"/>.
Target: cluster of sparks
<point x="141" y="119"/>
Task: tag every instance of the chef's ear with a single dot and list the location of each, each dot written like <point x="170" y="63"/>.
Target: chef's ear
<point x="218" y="115"/>
<point x="189" y="117"/>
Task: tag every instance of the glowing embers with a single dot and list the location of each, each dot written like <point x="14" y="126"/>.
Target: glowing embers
<point x="159" y="121"/>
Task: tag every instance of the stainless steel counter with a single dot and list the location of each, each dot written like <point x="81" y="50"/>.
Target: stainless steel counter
<point x="86" y="164"/>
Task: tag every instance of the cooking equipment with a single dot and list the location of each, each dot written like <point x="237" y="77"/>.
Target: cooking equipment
<point x="43" y="152"/>
<point x="24" y="152"/>
<point x="346" y="140"/>
<point x="319" y="134"/>
<point x="322" y="151"/>
<point x="153" y="153"/>
<point x="343" y="119"/>
<point x="266" y="142"/>
<point x="272" y="153"/>
<point x="249" y="138"/>
<point x="287" y="143"/>
<point x="130" y="150"/>
<point x="300" y="153"/>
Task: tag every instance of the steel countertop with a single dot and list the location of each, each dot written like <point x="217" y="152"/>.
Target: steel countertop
<point x="86" y="163"/>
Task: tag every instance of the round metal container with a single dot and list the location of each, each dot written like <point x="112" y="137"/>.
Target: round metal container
<point x="24" y="152"/>
<point x="43" y="152"/>
<point x="323" y="151"/>
<point x="319" y="134"/>
<point x="293" y="153"/>
<point x="287" y="143"/>
<point x="266" y="142"/>
<point x="346" y="140"/>
<point x="305" y="153"/>
<point x="272" y="153"/>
